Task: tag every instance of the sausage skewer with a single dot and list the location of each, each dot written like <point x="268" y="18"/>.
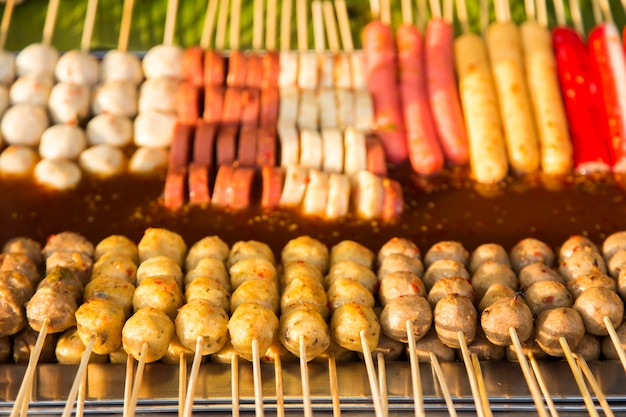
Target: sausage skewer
<point x="7" y="59"/>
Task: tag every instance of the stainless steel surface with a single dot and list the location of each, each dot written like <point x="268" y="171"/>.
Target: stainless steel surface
<point x="159" y="393"/>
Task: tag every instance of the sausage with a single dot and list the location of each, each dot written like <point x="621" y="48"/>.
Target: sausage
<point x="254" y="70"/>
<point x="270" y="106"/>
<point x="294" y="186"/>
<point x="596" y="303"/>
<point x="249" y="322"/>
<point x="150" y="326"/>
<point x="266" y="145"/>
<point x="425" y="151"/>
<point x="553" y="324"/>
<point x="103" y="320"/>
<point x="355" y="151"/>
<point x="507" y="63"/>
<point x="223" y="187"/>
<point x="226" y="144"/>
<point x="332" y="149"/>
<point x="375" y="156"/>
<point x="214" y="68"/>
<point x="207" y="247"/>
<point x="241" y="184"/>
<point x="203" y="143"/>
<point x="398" y="311"/>
<point x="499" y="317"/>
<point x="271" y="69"/>
<point x="307" y="249"/>
<point x="200" y="318"/>
<point x="289" y="144"/>
<point x="237" y="69"/>
<point x="198" y="180"/>
<point x="393" y="201"/>
<point x="304" y="324"/>
<point x="187" y="100"/>
<point x="250" y="107"/>
<point x="192" y="66"/>
<point x="181" y="146"/>
<point x="316" y="194"/>
<point x="455" y="313"/>
<point x="174" y="190"/>
<point x="213" y="103"/>
<point x="342" y="78"/>
<point x="368" y="195"/>
<point x="442" y="91"/>
<point x="487" y="149"/>
<point x="380" y="71"/>
<point x="162" y="242"/>
<point x="347" y="322"/>
<point x="272" y="179"/>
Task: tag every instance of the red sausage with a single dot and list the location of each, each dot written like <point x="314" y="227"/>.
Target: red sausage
<point x="241" y="183"/>
<point x="231" y="113"/>
<point x="425" y="152"/>
<point x="271" y="69"/>
<point x="187" y="100"/>
<point x="192" y="66"/>
<point x="581" y="100"/>
<point x="204" y="142"/>
<point x="380" y="69"/>
<point x="214" y="68"/>
<point x="199" y="192"/>
<point x="272" y="186"/>
<point x="254" y="70"/>
<point x="180" y="147"/>
<point x="222" y="189"/>
<point x="443" y="92"/>
<point x="375" y="156"/>
<point x="393" y="202"/>
<point x="247" y="148"/>
<point x="174" y="191"/>
<point x="226" y="145"/>
<point x="213" y="103"/>
<point x="237" y="67"/>
<point x="266" y="145"/>
<point x="270" y="99"/>
<point x="250" y="106"/>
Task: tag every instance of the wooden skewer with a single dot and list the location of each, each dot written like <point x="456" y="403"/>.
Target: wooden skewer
<point x="597" y="13"/>
<point x="503" y="11"/>
<point x="542" y="385"/>
<point x="137" y="381"/>
<point x="416" y="381"/>
<point x="407" y="12"/>
<point x="385" y="12"/>
<point x="344" y="25"/>
<point x="434" y="362"/>
<point x="605" y="7"/>
<point x="594" y="385"/>
<point x="182" y="383"/>
<point x="302" y="25"/>
<point x="529" y="8"/>
<point x="257" y="25"/>
<point x="51" y="17"/>
<point x="482" y="390"/>
<point x="82" y="393"/>
<point x="127" y="16"/>
<point x="528" y="375"/>
<point x="258" y="387"/>
<point x="285" y="25"/>
<point x="270" y="32"/>
<point x="331" y="26"/>
<point x="448" y="10"/>
<point x="90" y="19"/>
<point x="23" y="394"/>
<point x="234" y="384"/>
<point x="6" y="22"/>
<point x="484" y="14"/>
<point x="422" y="14"/>
<point x="170" y="22"/>
<point x="542" y="13"/>
<point x="577" y="18"/>
<point x="462" y="16"/>
<point x="435" y="9"/>
<point x="318" y="26"/>
<point x="209" y="24"/>
<point x="222" y="22"/>
<point x="304" y="376"/>
<point x="280" y="397"/>
<point x="334" y="385"/>
<point x="193" y="377"/>
<point x="615" y="339"/>
<point x="235" y="24"/>
<point x="371" y="373"/>
<point x="471" y="374"/>
<point x="578" y="377"/>
<point x="375" y="9"/>
<point x="128" y="383"/>
<point x="80" y="374"/>
<point x="559" y="12"/>
<point x="382" y="382"/>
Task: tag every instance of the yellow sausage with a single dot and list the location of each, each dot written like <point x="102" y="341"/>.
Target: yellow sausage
<point x="480" y="105"/>
<point x="507" y="64"/>
<point x="543" y="85"/>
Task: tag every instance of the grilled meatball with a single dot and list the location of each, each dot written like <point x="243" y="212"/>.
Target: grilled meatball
<point x="63" y="279"/>
<point x="346" y="291"/>
<point x="70" y="349"/>
<point x="355" y="271"/>
<point x="117" y="244"/>
<point x="24" y="343"/>
<point x="148" y="326"/>
<point x="157" y="242"/>
<point x="278" y="350"/>
<point x="18" y="284"/>
<point x="553" y="324"/>
<point x="453" y="314"/>
<point x="208" y="247"/>
<point x="495" y="293"/>
<point x="120" y="357"/>
<point x="613" y="244"/>
<point x="26" y="246"/>
<point x="528" y="251"/>
<point x="395" y="262"/>
<point x="617" y="263"/>
<point x="574" y="244"/>
<point x="307" y="249"/>
<point x="432" y="344"/>
<point x="225" y="355"/>
<point x="398" y="245"/>
<point x="249" y="249"/>
<point x="591" y="279"/>
<point x="349" y="320"/>
<point x="450" y="285"/>
<point x="547" y="295"/>
<point x="443" y="268"/>
<point x="5" y="349"/>
<point x="608" y="348"/>
<point x="581" y="262"/>
<point x="390" y="349"/>
<point x="202" y="318"/>
<point x="159" y="292"/>
<point x="488" y="252"/>
<point x="596" y="303"/>
<point x="484" y="349"/>
<point x="446" y="250"/>
<point x="491" y="272"/>
<point x="498" y="318"/>
<point x="397" y="284"/>
<point x="211" y="268"/>
<point x="103" y="320"/>
<point x="529" y="347"/>
<point x="260" y="291"/>
<point x="252" y="321"/>
<point x="77" y="262"/>
<point x="252" y="268"/>
<point x="174" y="351"/>
<point x="67" y="241"/>
<point x="300" y="269"/>
<point x="12" y="315"/>
<point x="398" y="311"/>
<point x="538" y="272"/>
<point x="304" y="322"/>
<point x="305" y="290"/>
<point x="590" y="347"/>
<point x="348" y="250"/>
<point x="116" y="265"/>
<point x="158" y="266"/>
<point x="20" y="262"/>
<point x="621" y="284"/>
<point x="205" y="288"/>
<point x="112" y="288"/>
<point x="57" y="305"/>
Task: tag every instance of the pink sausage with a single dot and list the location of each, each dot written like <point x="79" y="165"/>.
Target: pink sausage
<point x="199" y="192"/>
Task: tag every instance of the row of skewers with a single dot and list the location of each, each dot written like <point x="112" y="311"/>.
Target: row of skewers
<point x="237" y="303"/>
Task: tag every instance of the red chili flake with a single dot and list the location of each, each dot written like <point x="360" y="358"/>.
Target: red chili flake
<point x="549" y="299"/>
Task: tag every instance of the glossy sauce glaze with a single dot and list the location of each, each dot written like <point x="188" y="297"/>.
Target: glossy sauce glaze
<point x="449" y="207"/>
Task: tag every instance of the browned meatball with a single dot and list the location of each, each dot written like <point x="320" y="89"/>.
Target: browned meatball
<point x="174" y="352"/>
<point x="151" y="327"/>
<point x="581" y="262"/>
<point x="78" y="262"/>
<point x="249" y="249"/>
<point x="226" y="354"/>
<point x="553" y="324"/>
<point x="160" y="266"/>
<point x="453" y="314"/>
<point x="528" y="251"/>
<point x="252" y="321"/>
<point x="546" y="295"/>
<point x="160" y="292"/>
<point x="491" y="272"/>
<point x="116" y="265"/>
<point x="103" y="320"/>
<point x="63" y="278"/>
<point x="277" y="350"/>
<point x="608" y="348"/>
<point x="339" y="353"/>
<point x="21" y="263"/>
<point x="596" y="303"/>
<point x="432" y="344"/>
<point x="398" y="245"/>
<point x="349" y="250"/>
<point x="18" y="284"/>
<point x="12" y="314"/>
<point x="443" y="268"/>
<point x="117" y="244"/>
<point x="583" y="282"/>
<point x="590" y="347"/>
<point x="450" y="285"/>
<point x="202" y="318"/>
<point x="208" y="247"/>
<point x="495" y="293"/>
<point x="397" y="284"/>
<point x="498" y="318"/>
<point x="355" y="271"/>
<point x="390" y="349"/>
<point x="305" y="291"/>
<point x="574" y="244"/>
<point x="212" y="268"/>
<point x="67" y="241"/>
<point x="55" y="304"/>
<point x="488" y="252"/>
<point x="346" y="291"/>
<point x="537" y="272"/>
<point x="297" y="269"/>
<point x="24" y="343"/>
<point x="112" y="288"/>
<point x="349" y="320"/>
<point x="397" y="262"/>
<point x="70" y="349"/>
<point x="5" y="349"/>
<point x="259" y="291"/>
<point x="307" y="249"/>
<point x="25" y="246"/>
<point x="613" y="244"/>
<point x="617" y="263"/>
<point x="446" y="250"/>
<point x="484" y="349"/>
<point x="303" y="323"/>
<point x="208" y="289"/>
<point x="162" y="242"/>
<point x="529" y="347"/>
<point x="252" y="268"/>
<point x="401" y="309"/>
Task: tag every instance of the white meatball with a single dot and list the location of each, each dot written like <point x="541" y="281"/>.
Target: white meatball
<point x="146" y="160"/>
<point x="7" y="67"/>
<point x="163" y="61"/>
<point x="69" y="103"/>
<point x="58" y="174"/>
<point x="32" y="88"/>
<point x="110" y="130"/>
<point x="35" y="58"/>
<point x="154" y="129"/>
<point x="121" y="66"/>
<point x="62" y="142"/>
<point x="18" y="160"/>
<point x="23" y="124"/>
<point x="78" y="67"/>
<point x="158" y="94"/>
<point x="115" y="97"/>
<point x="4" y="99"/>
<point x="103" y="160"/>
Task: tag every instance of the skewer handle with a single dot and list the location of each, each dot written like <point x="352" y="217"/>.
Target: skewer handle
<point x="6" y="21"/>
